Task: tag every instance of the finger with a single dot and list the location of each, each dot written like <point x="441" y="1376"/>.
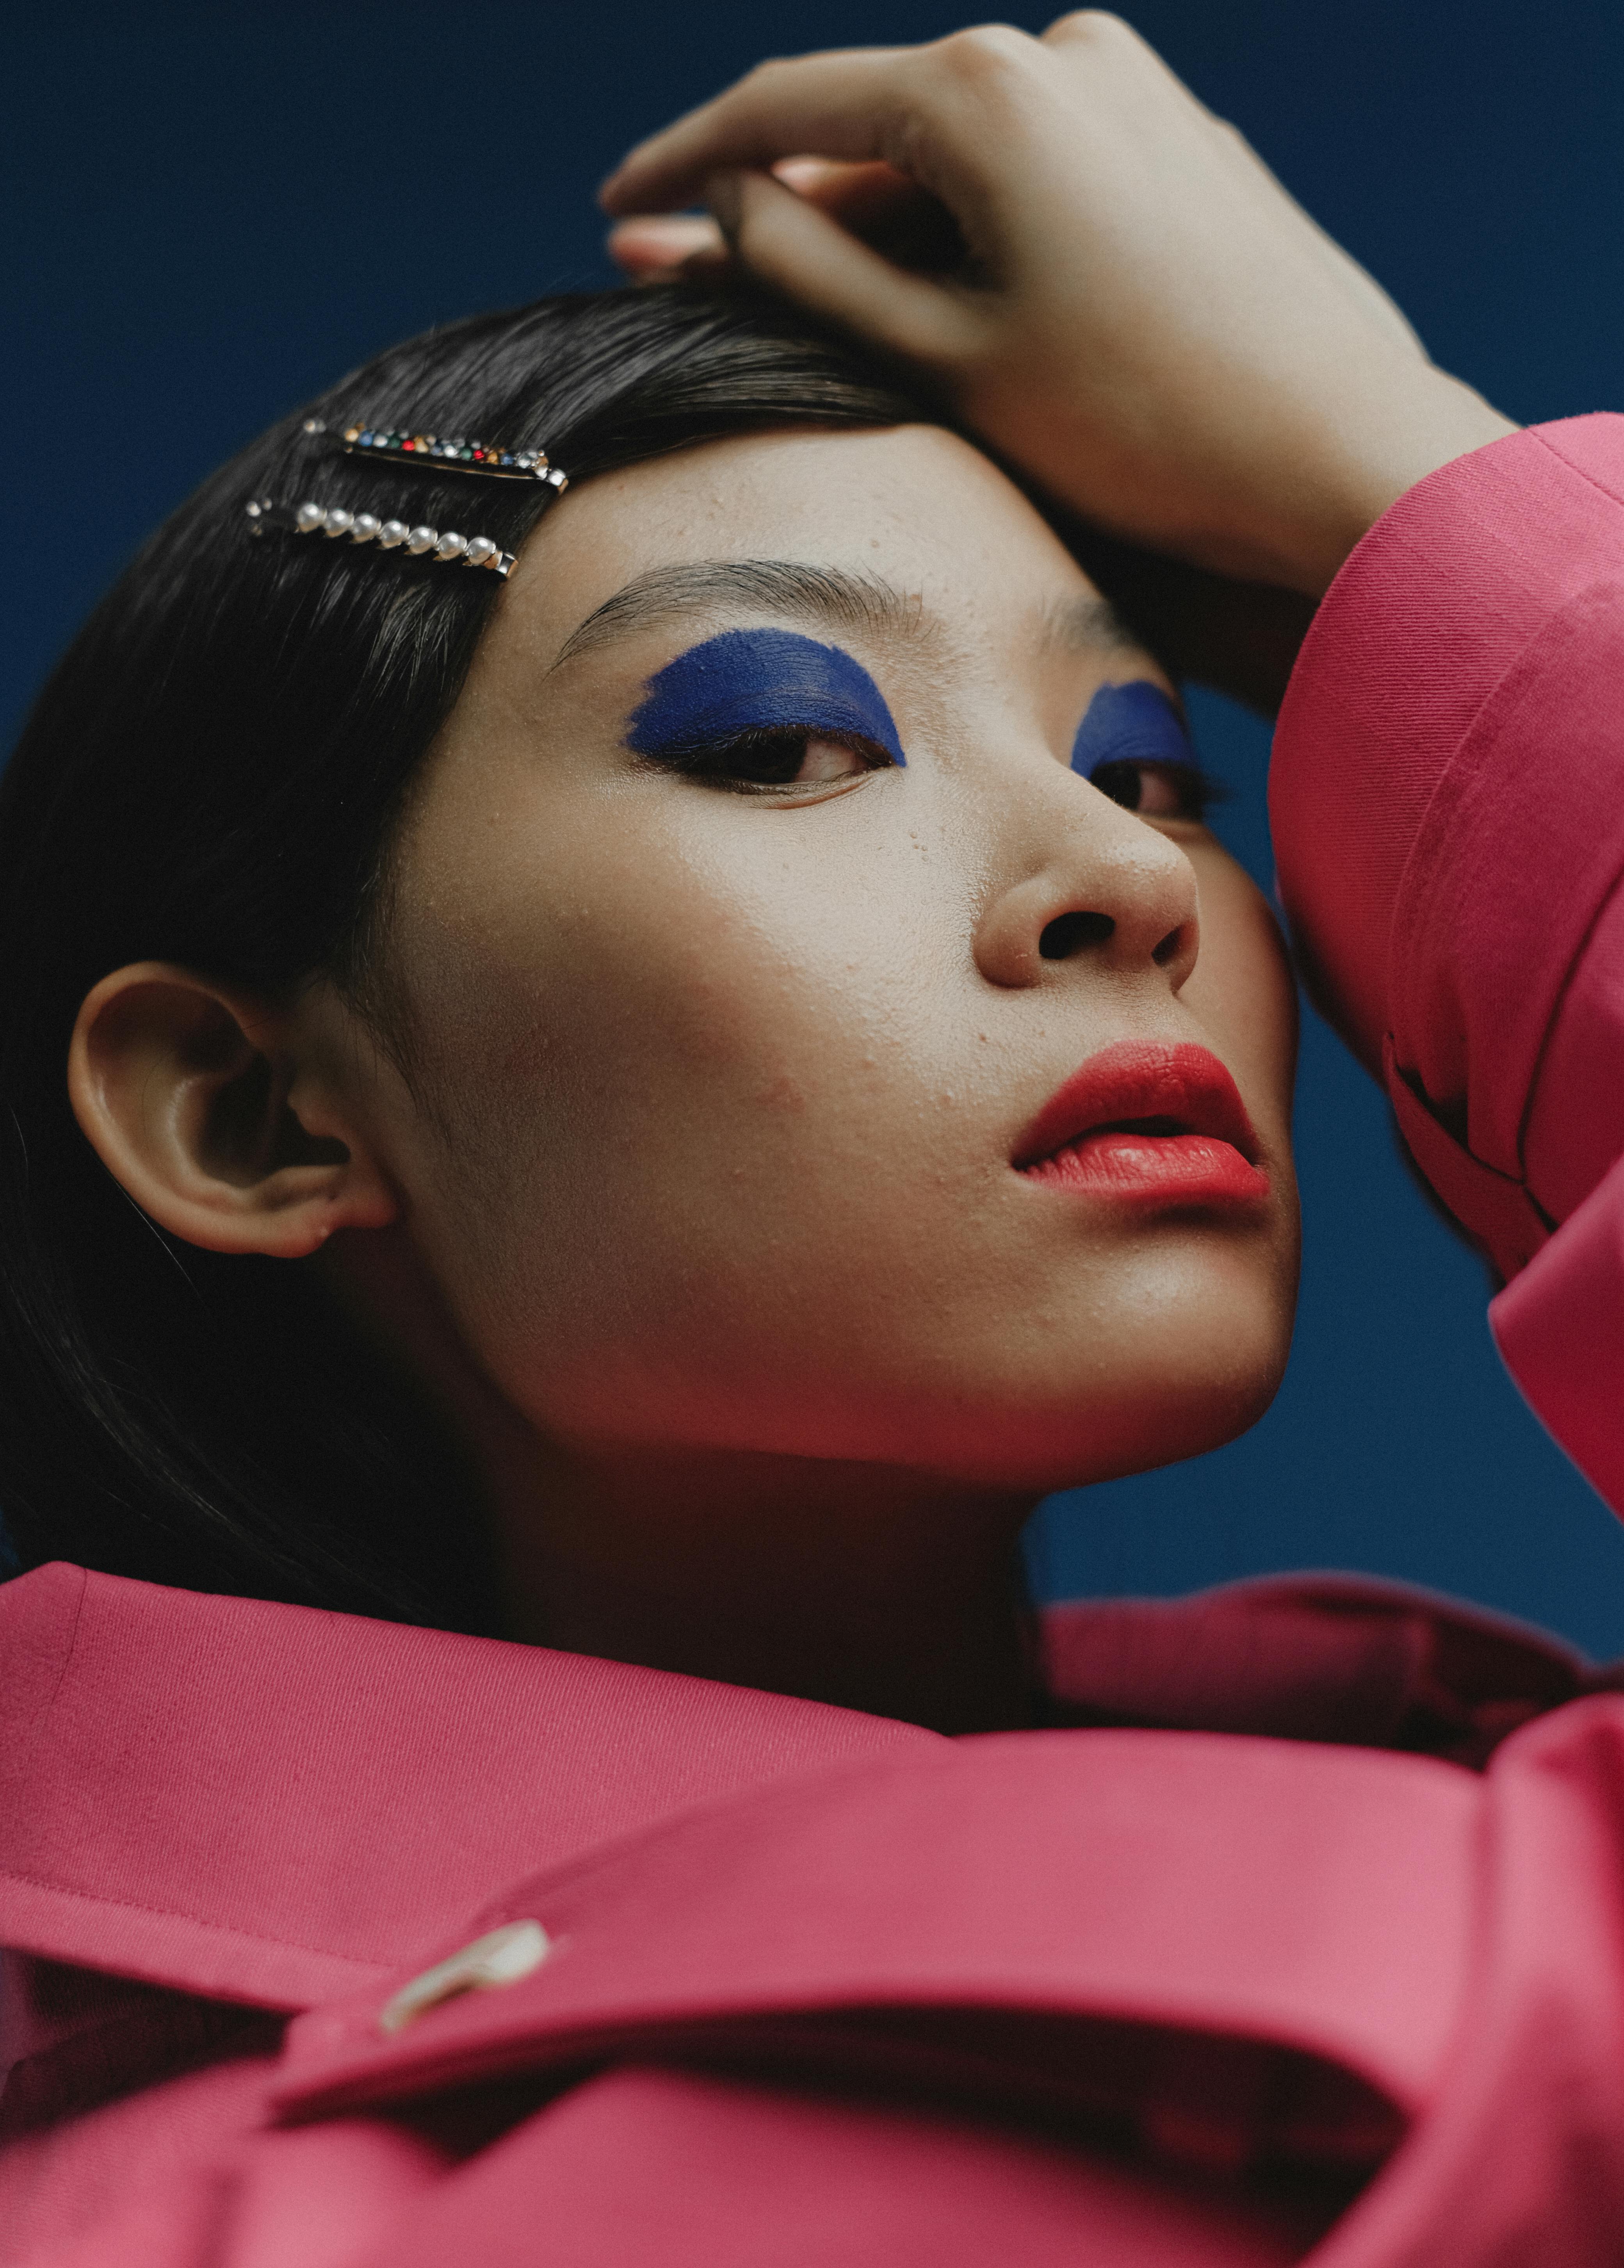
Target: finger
<point x="854" y="192"/>
<point x="848" y="103"/>
<point x="892" y="215"/>
<point x="655" y="244"/>
<point x="807" y="176"/>
<point x="788" y="243"/>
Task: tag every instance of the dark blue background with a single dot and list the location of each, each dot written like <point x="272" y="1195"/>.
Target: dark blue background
<point x="219" y="208"/>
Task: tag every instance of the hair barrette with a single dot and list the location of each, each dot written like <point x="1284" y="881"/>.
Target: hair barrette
<point x="438" y="452"/>
<point x="454" y="550"/>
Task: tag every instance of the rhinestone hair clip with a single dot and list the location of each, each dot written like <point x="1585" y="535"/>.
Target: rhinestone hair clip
<point x="438" y="453"/>
<point x="453" y="549"/>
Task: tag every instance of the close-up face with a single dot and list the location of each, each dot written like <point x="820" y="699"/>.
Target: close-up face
<point x="774" y="879"/>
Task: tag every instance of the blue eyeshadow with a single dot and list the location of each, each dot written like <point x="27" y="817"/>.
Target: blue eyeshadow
<point x="1132" y="724"/>
<point x="755" y="681"/>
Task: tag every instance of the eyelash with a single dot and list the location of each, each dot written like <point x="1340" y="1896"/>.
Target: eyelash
<point x="728" y="763"/>
<point x="1194" y="788"/>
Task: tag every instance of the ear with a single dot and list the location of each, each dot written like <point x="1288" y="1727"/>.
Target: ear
<point x="220" y="1116"/>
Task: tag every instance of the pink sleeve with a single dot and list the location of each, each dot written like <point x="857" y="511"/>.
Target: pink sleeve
<point x="1448" y="807"/>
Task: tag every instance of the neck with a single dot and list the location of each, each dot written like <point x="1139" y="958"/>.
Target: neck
<point x="840" y="1583"/>
<point x="861" y="1585"/>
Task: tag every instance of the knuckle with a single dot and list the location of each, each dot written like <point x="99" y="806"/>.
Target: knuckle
<point x="1100" y="28"/>
<point x="984" y="54"/>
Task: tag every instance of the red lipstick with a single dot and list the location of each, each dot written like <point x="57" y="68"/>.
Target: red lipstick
<point x="1153" y="1125"/>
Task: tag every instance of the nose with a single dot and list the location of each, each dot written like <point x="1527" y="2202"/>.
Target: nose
<point x="1088" y="881"/>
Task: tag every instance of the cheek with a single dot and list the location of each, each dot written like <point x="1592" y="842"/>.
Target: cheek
<point x="714" y="1156"/>
<point x="661" y="1092"/>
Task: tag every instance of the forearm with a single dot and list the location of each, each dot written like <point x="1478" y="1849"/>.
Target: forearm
<point x="1447" y="823"/>
<point x="1376" y="445"/>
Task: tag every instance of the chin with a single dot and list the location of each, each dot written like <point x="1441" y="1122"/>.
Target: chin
<point x="1089" y="1443"/>
<point x="999" y="1386"/>
<point x="1185" y="1392"/>
<point x="1167" y="1434"/>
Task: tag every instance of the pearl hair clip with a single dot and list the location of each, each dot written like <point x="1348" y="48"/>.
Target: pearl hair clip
<point x="453" y="549"/>
<point x="438" y="453"/>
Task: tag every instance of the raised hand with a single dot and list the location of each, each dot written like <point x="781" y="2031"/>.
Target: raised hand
<point x="1102" y="278"/>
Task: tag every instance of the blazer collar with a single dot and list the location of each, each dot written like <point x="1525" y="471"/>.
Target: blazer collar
<point x="274" y="1805"/>
<point x="278" y="1806"/>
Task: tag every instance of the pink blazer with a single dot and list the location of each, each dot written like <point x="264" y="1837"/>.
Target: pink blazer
<point x="1301" y="1935"/>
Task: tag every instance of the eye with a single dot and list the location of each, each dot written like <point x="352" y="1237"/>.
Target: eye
<point x="1162" y="789"/>
<point x="776" y="759"/>
<point x="826" y="760"/>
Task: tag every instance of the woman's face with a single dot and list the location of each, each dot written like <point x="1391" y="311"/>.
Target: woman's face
<point x="730" y="1030"/>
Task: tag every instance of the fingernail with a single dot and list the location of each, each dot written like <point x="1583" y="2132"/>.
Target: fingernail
<point x="721" y="195"/>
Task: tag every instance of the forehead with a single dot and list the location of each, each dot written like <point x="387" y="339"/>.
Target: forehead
<point x="913" y="505"/>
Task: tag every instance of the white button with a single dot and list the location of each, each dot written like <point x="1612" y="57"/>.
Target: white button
<point x="502" y="1957"/>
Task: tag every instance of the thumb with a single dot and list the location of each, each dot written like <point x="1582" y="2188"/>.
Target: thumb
<point x="791" y="244"/>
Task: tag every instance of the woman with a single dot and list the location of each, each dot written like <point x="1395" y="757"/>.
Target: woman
<point x="720" y="984"/>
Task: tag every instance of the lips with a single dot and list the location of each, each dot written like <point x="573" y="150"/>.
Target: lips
<point x="1147" y="1121"/>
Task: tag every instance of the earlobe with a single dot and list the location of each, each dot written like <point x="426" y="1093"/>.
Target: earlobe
<point x="204" y="1106"/>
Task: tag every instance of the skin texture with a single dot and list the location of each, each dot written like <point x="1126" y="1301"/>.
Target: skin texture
<point x="699" y="1204"/>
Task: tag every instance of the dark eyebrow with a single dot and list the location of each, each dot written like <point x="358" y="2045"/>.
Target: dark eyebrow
<point x="820" y="595"/>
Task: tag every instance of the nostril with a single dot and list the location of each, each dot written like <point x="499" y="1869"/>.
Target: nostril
<point x="1069" y="934"/>
<point x="1169" y="948"/>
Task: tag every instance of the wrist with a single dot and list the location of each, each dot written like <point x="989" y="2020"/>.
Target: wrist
<point x="1429" y="422"/>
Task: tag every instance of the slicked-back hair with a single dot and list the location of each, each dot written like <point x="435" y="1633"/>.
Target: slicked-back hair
<point x="211" y="777"/>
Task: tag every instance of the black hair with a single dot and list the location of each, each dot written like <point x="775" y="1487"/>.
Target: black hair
<point x="211" y="777"/>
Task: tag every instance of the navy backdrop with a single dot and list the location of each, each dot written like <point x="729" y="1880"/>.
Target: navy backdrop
<point x="219" y="207"/>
